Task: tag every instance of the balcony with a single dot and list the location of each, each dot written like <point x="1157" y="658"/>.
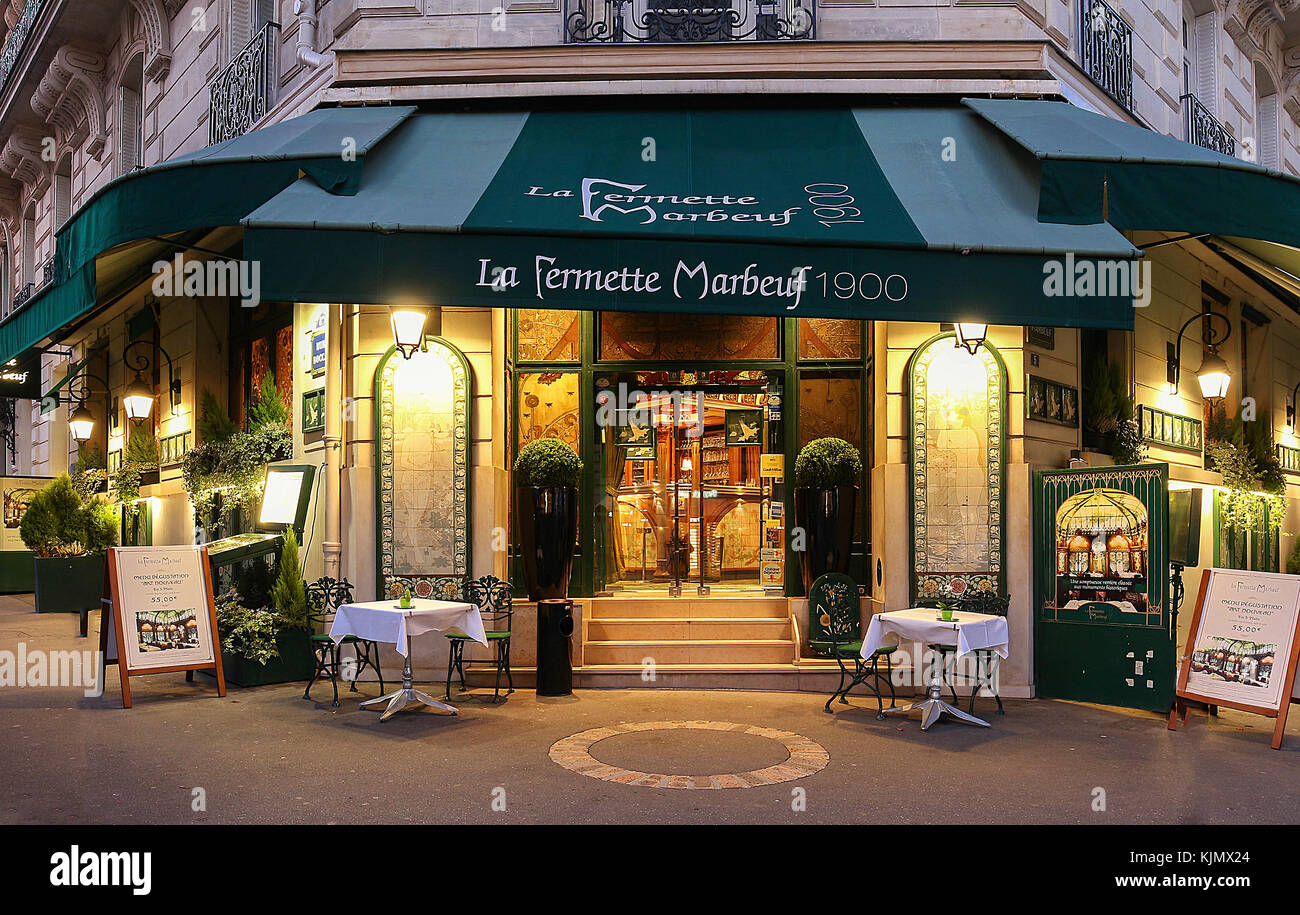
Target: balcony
<point x="1106" y="50"/>
<point x="1204" y="129"/>
<point x="670" y="22"/>
<point x="244" y="92"/>
<point x="17" y="38"/>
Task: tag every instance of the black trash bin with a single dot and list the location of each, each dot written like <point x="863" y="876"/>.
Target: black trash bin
<point x="554" y="633"/>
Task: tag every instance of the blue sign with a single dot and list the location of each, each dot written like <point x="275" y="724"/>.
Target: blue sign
<point x="318" y="352"/>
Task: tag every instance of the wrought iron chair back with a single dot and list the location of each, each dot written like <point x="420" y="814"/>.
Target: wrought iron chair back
<point x="324" y="597"/>
<point x="835" y="617"/>
<point x="495" y="604"/>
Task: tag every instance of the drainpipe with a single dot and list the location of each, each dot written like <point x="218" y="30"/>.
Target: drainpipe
<point x="308" y="56"/>
<point x="332" y="548"/>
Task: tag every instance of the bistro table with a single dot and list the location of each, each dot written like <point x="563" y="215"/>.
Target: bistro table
<point x="968" y="631"/>
<point x="385" y="621"/>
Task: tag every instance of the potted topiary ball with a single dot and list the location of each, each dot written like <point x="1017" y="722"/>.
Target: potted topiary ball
<point x="69" y="535"/>
<point x="826" y="476"/>
<point x="547" y="472"/>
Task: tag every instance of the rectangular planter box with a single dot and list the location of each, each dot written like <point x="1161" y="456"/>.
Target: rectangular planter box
<point x="17" y="574"/>
<point x="69" y="585"/>
<point x="296" y="663"/>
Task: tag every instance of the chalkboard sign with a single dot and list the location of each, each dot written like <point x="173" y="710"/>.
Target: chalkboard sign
<point x="1243" y="644"/>
<point x="159" y="615"/>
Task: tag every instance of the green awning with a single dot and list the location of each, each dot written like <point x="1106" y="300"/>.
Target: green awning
<point x="923" y="213"/>
<point x="215" y="186"/>
<point x="1096" y="168"/>
<point x="690" y="210"/>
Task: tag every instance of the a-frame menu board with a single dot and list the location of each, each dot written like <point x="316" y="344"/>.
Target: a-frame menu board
<point x="161" y="613"/>
<point x="1242" y="648"/>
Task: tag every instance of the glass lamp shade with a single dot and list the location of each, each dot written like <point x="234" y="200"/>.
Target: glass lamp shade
<point x="81" y="424"/>
<point x="971" y="336"/>
<point x="138" y="400"/>
<point x="408" y="329"/>
<point x="1214" y="377"/>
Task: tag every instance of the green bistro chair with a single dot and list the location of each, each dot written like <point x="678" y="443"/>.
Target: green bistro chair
<point x="324" y="597"/>
<point x="986" y="659"/>
<point x="495" y="605"/>
<point x="835" y="630"/>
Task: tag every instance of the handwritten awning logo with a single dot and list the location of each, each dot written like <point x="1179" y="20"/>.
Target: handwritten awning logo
<point x="601" y="196"/>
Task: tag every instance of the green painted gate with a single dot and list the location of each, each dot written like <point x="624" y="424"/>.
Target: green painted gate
<point x="1103" y="625"/>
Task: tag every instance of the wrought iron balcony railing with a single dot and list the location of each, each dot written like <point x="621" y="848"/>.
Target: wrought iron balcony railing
<point x="17" y="38"/>
<point x="1204" y="129"/>
<point x="1106" y="50"/>
<point x="669" y="21"/>
<point x="244" y="92"/>
<point x="22" y="296"/>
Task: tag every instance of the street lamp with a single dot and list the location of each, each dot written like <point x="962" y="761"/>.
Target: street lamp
<point x="138" y="398"/>
<point x="1290" y="409"/>
<point x="1214" y="374"/>
<point x="971" y="336"/>
<point x="82" y="423"/>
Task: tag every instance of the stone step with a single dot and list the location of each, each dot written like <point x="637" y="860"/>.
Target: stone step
<point x="688" y="607"/>
<point x="690" y="651"/>
<point x="666" y="629"/>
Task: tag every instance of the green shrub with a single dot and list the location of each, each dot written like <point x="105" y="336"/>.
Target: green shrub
<point x="289" y="595"/>
<point x="267" y="408"/>
<point x="59" y="522"/>
<point x="215" y="424"/>
<point x="547" y="462"/>
<point x="827" y="462"/>
<point x="1293" y="561"/>
<point x="246" y="632"/>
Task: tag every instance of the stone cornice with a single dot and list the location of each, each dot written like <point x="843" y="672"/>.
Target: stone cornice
<point x="71" y="98"/>
<point x="1007" y="60"/>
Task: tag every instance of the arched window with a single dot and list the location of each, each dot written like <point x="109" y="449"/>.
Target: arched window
<point x="957" y="403"/>
<point x="1266" y="105"/>
<point x="130" y="117"/>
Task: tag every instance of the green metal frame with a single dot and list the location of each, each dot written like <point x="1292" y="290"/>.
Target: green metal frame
<point x="586" y="366"/>
<point x="379" y="434"/>
<point x="910" y="373"/>
<point x="1226" y="555"/>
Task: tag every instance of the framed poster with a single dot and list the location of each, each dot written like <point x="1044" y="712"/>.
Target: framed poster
<point x="313" y="410"/>
<point x="1052" y="402"/>
<point x="744" y="427"/>
<point x="17" y="493"/>
<point x="1244" y="641"/>
<point x="162" y="617"/>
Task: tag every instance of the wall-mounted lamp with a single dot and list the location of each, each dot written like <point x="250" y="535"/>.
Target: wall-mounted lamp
<point x="1214" y="375"/>
<point x="1290" y="409"/>
<point x="138" y="398"/>
<point x="408" y="329"/>
<point x="81" y="423"/>
<point x="971" y="336"/>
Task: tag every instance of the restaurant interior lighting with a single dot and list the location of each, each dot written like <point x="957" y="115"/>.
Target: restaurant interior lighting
<point x="81" y="423"/>
<point x="971" y="336"/>
<point x="408" y="329"/>
<point x="1214" y="376"/>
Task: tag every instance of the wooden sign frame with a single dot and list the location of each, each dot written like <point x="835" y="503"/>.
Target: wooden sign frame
<point x="112" y="616"/>
<point x="1178" y="715"/>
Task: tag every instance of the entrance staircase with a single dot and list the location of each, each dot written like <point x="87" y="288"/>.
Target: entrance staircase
<point x="724" y="640"/>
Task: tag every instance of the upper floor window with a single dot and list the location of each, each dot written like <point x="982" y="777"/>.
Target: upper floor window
<point x="62" y="191"/>
<point x="130" y="117"/>
<point x="1265" y="145"/>
<point x="247" y="18"/>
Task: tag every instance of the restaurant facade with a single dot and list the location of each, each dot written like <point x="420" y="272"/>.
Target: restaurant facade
<point x="780" y="231"/>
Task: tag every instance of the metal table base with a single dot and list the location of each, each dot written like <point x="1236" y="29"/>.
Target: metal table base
<point x="933" y="706"/>
<point x="408" y="694"/>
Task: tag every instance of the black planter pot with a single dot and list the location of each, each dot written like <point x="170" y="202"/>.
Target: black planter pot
<point x="69" y="585"/>
<point x="548" y="529"/>
<point x="827" y="517"/>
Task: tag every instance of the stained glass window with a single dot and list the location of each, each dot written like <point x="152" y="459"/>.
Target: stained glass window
<point x="687" y="337"/>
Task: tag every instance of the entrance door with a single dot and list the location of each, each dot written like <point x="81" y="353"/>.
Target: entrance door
<point x="685" y="500"/>
<point x="1104" y="627"/>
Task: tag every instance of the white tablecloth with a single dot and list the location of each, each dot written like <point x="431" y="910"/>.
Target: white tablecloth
<point x="968" y="631"/>
<point x="384" y="621"/>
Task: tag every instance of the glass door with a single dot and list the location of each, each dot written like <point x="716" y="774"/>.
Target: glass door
<point x="682" y="461"/>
